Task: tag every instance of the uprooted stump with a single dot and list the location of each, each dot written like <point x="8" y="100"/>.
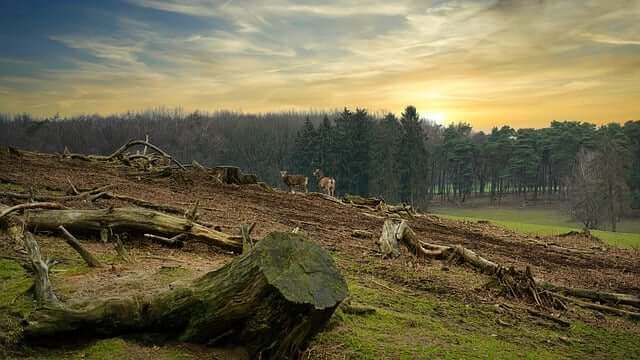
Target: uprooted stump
<point x="517" y="283"/>
<point x="271" y="301"/>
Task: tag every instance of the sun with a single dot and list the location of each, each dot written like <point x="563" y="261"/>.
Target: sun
<point x="436" y="117"/>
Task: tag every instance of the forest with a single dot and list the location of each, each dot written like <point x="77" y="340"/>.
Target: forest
<point x="401" y="158"/>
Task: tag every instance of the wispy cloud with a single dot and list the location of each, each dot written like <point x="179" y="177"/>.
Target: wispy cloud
<point x="474" y="60"/>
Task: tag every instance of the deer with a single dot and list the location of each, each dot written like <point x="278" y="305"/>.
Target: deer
<point x="326" y="183"/>
<point x="294" y="180"/>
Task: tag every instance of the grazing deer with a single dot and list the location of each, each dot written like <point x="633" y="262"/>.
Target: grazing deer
<point x="326" y="183"/>
<point x="294" y="180"/>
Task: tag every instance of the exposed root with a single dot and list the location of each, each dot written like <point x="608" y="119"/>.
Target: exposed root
<point x="516" y="283"/>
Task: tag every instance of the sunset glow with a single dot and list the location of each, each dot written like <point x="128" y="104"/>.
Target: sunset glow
<point x="485" y="62"/>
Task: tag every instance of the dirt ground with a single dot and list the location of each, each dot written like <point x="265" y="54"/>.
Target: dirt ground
<point x="590" y="264"/>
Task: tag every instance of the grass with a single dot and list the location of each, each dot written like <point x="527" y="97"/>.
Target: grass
<point x="423" y="326"/>
<point x="543" y="221"/>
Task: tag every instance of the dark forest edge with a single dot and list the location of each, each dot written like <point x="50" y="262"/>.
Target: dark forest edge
<point x="595" y="170"/>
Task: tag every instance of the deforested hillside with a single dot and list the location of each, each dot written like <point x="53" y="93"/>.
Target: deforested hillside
<point x="433" y="288"/>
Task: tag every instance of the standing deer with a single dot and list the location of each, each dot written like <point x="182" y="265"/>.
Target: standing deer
<point x="294" y="180"/>
<point x="326" y="183"/>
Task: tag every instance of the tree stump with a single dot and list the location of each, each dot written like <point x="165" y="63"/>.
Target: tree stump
<point x="271" y="301"/>
<point x="228" y="174"/>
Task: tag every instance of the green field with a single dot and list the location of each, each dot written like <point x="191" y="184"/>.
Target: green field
<point x="543" y="221"/>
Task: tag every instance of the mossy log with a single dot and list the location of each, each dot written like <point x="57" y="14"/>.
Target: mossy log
<point x="271" y="301"/>
<point x="130" y="219"/>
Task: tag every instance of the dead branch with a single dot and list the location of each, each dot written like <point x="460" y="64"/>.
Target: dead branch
<point x="176" y="241"/>
<point x="545" y="316"/>
<point x="120" y="249"/>
<point x="42" y="286"/>
<point x="75" y="244"/>
<point x="602" y="308"/>
<point x="36" y="205"/>
<point x="86" y="195"/>
<point x="593" y="295"/>
<point x="245" y="232"/>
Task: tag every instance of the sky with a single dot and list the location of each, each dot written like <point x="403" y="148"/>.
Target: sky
<point x="494" y="62"/>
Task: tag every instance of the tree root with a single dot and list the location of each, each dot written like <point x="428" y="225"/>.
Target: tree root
<point x="516" y="283"/>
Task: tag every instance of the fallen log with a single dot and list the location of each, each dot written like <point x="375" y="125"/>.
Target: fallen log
<point x="75" y="244"/>
<point x="593" y="295"/>
<point x="131" y="219"/>
<point x="271" y="301"/>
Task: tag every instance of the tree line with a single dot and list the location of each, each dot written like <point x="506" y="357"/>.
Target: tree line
<point x="400" y="158"/>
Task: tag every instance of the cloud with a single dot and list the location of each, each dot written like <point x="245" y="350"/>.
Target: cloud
<point x="610" y="40"/>
<point x="473" y="60"/>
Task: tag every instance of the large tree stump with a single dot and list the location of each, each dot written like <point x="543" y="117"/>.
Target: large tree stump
<point x="271" y="301"/>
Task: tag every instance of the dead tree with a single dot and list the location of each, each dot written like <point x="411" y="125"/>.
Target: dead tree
<point x="271" y="301"/>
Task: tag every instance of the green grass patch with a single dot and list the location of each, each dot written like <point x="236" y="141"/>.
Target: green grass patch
<point x="114" y="348"/>
<point x="14" y="283"/>
<point x="15" y="303"/>
<point x="422" y="326"/>
<point x="542" y="222"/>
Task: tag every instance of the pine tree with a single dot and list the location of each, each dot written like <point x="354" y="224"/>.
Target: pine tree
<point x="413" y="157"/>
<point x="305" y="153"/>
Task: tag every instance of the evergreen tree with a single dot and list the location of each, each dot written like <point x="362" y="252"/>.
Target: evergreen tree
<point x="305" y="153"/>
<point x="385" y="156"/>
<point x="413" y="157"/>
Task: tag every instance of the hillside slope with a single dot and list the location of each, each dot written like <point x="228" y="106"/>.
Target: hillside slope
<point x="423" y="308"/>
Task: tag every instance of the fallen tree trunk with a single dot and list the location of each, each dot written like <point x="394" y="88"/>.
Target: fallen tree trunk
<point x="270" y="301"/>
<point x="131" y="219"/>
